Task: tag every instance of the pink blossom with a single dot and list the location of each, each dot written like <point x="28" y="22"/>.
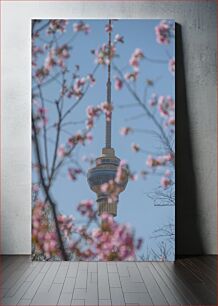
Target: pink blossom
<point x="64" y="90"/>
<point x="81" y="27"/>
<point x="73" y="173"/>
<point x="77" y="88"/>
<point x="41" y="73"/>
<point x="61" y="152"/>
<point x="135" y="63"/>
<point x="79" y="138"/>
<point x="135" y="147"/>
<point x="138" y="53"/>
<point x="153" y="100"/>
<point x="169" y="157"/>
<point x="165" y="182"/>
<point x="135" y="59"/>
<point x="119" y="38"/>
<point x="107" y="109"/>
<point x="44" y="239"/>
<point x="159" y="161"/>
<point x="118" y="83"/>
<point x="166" y="105"/>
<point x="112" y="189"/>
<point x="35" y="187"/>
<point x="92" y="112"/>
<point x="114" y="241"/>
<point x="105" y="54"/>
<point x="108" y="28"/>
<point x="121" y="172"/>
<point x="171" y="121"/>
<point x="89" y="123"/>
<point x="86" y="208"/>
<point x="41" y="117"/>
<point x="91" y="79"/>
<point x="57" y="25"/>
<point x="89" y="137"/>
<point x="62" y="54"/>
<point x="167" y="173"/>
<point x="35" y="52"/>
<point x="126" y="131"/>
<point x="50" y="61"/>
<point x="133" y="176"/>
<point x="163" y="32"/>
<point x="150" y="161"/>
<point x="131" y="76"/>
<point x="171" y="65"/>
<point x="65" y="224"/>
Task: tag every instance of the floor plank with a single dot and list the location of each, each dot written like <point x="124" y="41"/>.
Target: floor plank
<point x="155" y="292"/>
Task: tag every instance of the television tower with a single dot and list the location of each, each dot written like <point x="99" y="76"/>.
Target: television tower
<point x="107" y="164"/>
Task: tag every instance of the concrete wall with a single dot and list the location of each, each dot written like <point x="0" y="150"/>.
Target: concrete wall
<point x="196" y="209"/>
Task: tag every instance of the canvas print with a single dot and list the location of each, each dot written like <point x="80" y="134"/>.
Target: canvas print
<point x="103" y="140"/>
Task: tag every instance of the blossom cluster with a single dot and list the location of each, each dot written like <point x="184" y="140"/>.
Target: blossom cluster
<point x="165" y="106"/>
<point x="44" y="238"/>
<point x="57" y="25"/>
<point x="66" y="224"/>
<point x="55" y="57"/>
<point x="92" y="112"/>
<point x="118" y="84"/>
<point x="172" y="65"/>
<point x="124" y="131"/>
<point x="79" y="138"/>
<point x="73" y="141"/>
<point x="73" y="173"/>
<point x="114" y="186"/>
<point x="134" y="62"/>
<point x="77" y="88"/>
<point x="113" y="241"/>
<point x="36" y="51"/>
<point x="162" y="160"/>
<point x="81" y="27"/>
<point x="166" y="180"/>
<point x="86" y="208"/>
<point x="95" y="111"/>
<point x="105" y="54"/>
<point x="40" y="115"/>
<point x="164" y="32"/>
<point x="109" y="241"/>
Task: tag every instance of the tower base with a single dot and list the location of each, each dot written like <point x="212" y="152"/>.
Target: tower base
<point x="105" y="207"/>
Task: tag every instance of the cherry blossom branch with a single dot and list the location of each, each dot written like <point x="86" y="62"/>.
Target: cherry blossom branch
<point x="44" y="135"/>
<point x="47" y="194"/>
<point x="78" y="101"/>
<point x="144" y="107"/>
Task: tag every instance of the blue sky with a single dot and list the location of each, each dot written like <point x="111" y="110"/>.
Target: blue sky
<point x="135" y="206"/>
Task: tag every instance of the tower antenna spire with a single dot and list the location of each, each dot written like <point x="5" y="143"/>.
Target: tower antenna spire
<point x="108" y="121"/>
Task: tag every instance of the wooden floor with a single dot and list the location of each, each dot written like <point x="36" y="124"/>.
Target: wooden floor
<point x="189" y="281"/>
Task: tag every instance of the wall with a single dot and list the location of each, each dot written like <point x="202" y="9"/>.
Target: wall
<point x="196" y="209"/>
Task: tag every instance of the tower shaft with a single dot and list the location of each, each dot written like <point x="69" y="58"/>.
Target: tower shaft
<point x="108" y="122"/>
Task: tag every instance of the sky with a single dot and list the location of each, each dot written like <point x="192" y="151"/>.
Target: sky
<point x="135" y="206"/>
